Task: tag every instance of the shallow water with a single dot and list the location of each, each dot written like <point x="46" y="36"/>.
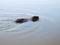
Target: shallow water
<point x="46" y="31"/>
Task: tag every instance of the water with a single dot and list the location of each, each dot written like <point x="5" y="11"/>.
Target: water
<point x="8" y="24"/>
<point x="46" y="31"/>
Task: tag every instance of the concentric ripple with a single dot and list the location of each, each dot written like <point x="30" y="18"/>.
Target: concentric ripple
<point x="7" y="24"/>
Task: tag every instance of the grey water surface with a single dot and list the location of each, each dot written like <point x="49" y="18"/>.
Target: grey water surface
<point x="46" y="31"/>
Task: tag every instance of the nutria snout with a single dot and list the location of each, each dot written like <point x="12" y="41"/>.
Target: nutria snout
<point x="34" y="19"/>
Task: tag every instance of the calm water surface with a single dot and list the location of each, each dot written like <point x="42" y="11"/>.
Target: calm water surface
<point x="46" y="31"/>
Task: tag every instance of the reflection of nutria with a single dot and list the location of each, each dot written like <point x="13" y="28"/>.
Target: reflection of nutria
<point x="34" y="19"/>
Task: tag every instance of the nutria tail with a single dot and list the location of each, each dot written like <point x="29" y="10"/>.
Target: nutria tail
<point x="35" y="18"/>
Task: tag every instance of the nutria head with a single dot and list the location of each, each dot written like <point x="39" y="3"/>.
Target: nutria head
<point x="35" y="18"/>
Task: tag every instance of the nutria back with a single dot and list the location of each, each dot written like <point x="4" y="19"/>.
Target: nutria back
<point x="21" y="20"/>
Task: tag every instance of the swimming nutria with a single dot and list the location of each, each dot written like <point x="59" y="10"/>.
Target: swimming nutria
<point x="34" y="19"/>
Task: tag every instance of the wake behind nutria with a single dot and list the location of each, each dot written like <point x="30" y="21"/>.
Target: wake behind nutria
<point x="22" y="20"/>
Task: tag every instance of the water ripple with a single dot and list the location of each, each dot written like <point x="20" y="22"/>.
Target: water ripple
<point x="10" y="26"/>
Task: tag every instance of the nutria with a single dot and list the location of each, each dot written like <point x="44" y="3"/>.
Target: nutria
<point x="34" y="19"/>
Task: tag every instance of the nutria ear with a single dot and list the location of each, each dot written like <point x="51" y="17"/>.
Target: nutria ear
<point x="35" y="18"/>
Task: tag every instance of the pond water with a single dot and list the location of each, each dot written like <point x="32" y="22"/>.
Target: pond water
<point x="46" y="31"/>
